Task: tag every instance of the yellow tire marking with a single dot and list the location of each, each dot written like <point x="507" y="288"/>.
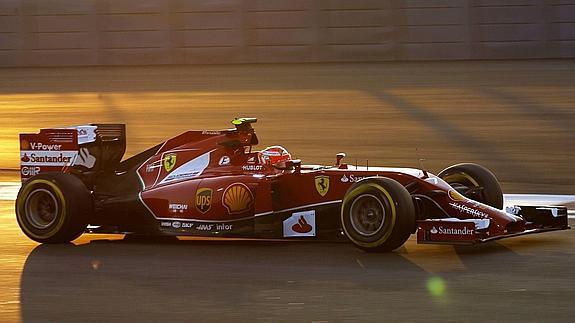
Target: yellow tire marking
<point x="61" y="216"/>
<point x="356" y="192"/>
<point x="458" y="176"/>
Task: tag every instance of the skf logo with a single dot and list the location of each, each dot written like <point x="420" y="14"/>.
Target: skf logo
<point x="322" y="184"/>
<point x="204" y="199"/>
<point x="238" y="198"/>
<point x="169" y="162"/>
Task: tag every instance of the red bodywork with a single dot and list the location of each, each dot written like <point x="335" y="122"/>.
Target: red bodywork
<point x="212" y="183"/>
<point x="218" y="176"/>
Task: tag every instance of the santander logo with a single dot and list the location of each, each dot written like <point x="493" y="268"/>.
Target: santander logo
<point x="452" y="231"/>
<point x="302" y="226"/>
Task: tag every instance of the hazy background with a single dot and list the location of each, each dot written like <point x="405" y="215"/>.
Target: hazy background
<point x="358" y="80"/>
<point x="516" y="118"/>
<point x="144" y="32"/>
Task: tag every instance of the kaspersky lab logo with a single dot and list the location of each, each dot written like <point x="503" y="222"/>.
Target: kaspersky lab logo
<point x="204" y="199"/>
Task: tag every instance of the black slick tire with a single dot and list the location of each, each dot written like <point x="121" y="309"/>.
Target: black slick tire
<point x="377" y="214"/>
<point x="53" y="207"/>
<point x="473" y="176"/>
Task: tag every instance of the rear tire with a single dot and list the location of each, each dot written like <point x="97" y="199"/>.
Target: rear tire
<point x="378" y="214"/>
<point x="53" y="207"/>
<point x="481" y="184"/>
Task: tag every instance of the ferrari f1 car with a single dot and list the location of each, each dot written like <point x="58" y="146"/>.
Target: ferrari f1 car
<point x="213" y="183"/>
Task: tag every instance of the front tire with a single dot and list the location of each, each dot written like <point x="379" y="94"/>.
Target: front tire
<point x="378" y="214"/>
<point x="475" y="182"/>
<point x="53" y="207"/>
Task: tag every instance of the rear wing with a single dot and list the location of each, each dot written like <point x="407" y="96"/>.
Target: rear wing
<point x="85" y="149"/>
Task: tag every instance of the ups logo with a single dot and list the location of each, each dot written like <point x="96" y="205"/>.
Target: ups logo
<point x="204" y="199"/>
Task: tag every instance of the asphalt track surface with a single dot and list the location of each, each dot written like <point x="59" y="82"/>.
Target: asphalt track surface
<point x="113" y="278"/>
<point x="517" y="118"/>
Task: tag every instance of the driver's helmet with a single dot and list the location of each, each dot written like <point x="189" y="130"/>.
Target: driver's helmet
<point x="274" y="155"/>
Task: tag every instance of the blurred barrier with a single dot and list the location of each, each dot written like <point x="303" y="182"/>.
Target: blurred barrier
<point x="140" y="32"/>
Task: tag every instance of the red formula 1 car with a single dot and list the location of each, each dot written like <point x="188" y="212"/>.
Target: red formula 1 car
<point x="212" y="183"/>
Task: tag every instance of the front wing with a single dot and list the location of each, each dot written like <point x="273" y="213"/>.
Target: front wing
<point x="538" y="219"/>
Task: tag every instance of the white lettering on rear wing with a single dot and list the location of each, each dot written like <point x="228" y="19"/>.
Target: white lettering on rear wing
<point x="50" y="150"/>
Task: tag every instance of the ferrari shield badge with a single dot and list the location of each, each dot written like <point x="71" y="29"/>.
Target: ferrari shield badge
<point x="169" y="162"/>
<point x="322" y="184"/>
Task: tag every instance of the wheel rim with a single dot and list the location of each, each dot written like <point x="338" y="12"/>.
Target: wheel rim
<point x="461" y="179"/>
<point x="367" y="215"/>
<point x="41" y="209"/>
<point x="466" y="185"/>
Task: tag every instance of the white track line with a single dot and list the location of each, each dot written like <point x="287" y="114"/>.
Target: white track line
<point x="9" y="191"/>
<point x="537" y="199"/>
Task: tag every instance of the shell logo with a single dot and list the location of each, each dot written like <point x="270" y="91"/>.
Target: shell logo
<point x="24" y="145"/>
<point x="238" y="198"/>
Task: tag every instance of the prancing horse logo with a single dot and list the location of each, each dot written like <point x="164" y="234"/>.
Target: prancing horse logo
<point x="322" y="184"/>
<point x="169" y="162"/>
